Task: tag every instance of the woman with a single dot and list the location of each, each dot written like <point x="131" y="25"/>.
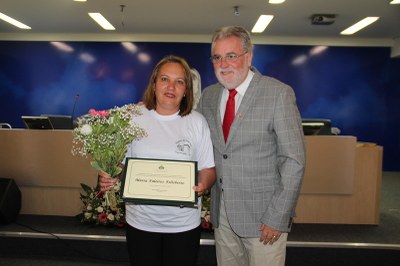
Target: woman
<point x="167" y="235"/>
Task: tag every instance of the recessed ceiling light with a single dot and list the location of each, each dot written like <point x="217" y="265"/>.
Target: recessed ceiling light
<point x="262" y="23"/>
<point x="14" y="22"/>
<point x="359" y="25"/>
<point x="102" y="21"/>
<point x="276" y="1"/>
<point x="80" y="0"/>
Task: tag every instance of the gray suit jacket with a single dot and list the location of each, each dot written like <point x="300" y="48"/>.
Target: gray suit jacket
<point x="261" y="166"/>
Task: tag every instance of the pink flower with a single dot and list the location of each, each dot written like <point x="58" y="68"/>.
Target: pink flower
<point x="103" y="217"/>
<point x="102" y="113"/>
<point x="110" y="217"/>
<point x="206" y="225"/>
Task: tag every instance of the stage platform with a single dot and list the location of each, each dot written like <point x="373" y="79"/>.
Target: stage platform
<point x="63" y="240"/>
<point x="58" y="240"/>
<point x="302" y="235"/>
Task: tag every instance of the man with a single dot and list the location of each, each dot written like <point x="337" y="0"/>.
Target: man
<point x="260" y="165"/>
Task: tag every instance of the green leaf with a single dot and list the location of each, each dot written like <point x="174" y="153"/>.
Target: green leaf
<point x="95" y="165"/>
<point x="83" y="197"/>
<point x="86" y="188"/>
<point x="118" y="170"/>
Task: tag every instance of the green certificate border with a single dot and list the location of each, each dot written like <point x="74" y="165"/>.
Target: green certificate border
<point x="160" y="182"/>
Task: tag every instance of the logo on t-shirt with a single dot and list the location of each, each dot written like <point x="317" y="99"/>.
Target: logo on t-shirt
<point x="184" y="146"/>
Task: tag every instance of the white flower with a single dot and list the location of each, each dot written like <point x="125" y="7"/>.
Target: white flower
<point x="117" y="186"/>
<point x="86" y="130"/>
<point x="89" y="207"/>
<point x="88" y="215"/>
<point x="110" y="217"/>
<point x="100" y="209"/>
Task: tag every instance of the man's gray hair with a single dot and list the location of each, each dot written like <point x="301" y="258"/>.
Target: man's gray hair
<point x="229" y="31"/>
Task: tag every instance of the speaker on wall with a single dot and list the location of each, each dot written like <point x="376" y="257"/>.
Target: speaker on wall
<point x="10" y="200"/>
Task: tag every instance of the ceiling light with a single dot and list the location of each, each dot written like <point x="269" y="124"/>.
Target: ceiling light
<point x="359" y="25"/>
<point x="14" y="22"/>
<point x="276" y="1"/>
<point x="395" y="2"/>
<point x="80" y="0"/>
<point x="102" y="21"/>
<point x="262" y="23"/>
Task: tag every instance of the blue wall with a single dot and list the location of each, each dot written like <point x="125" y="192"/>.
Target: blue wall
<point x="358" y="88"/>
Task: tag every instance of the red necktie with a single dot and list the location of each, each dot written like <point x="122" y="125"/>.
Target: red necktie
<point x="229" y="113"/>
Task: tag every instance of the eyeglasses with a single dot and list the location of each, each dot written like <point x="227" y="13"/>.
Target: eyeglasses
<point x="230" y="58"/>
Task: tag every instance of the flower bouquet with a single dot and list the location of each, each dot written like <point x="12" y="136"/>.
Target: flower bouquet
<point x="104" y="137"/>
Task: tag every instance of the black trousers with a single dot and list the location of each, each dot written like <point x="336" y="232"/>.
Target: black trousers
<point x="162" y="249"/>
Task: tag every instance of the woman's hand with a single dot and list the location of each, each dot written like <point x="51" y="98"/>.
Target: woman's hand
<point x="106" y="181"/>
<point x="201" y="190"/>
<point x="207" y="178"/>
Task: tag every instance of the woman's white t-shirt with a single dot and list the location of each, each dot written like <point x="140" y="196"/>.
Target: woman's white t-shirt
<point x="176" y="138"/>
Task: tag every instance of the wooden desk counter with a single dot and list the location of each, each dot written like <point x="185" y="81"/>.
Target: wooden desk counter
<point x="48" y="175"/>
<point x="341" y="185"/>
<point x="350" y="192"/>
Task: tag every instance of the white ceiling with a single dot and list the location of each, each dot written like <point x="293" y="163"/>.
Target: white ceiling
<point x="198" y="17"/>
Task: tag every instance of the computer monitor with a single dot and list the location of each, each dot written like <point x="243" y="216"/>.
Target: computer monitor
<point x="317" y="126"/>
<point x="37" y="122"/>
<point x="60" y="121"/>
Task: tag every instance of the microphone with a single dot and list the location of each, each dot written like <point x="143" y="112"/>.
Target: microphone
<point x="73" y="109"/>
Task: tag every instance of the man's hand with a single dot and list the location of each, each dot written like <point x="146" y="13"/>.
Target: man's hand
<point x="268" y="234"/>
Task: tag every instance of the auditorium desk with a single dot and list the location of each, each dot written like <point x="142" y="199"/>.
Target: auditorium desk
<point x="41" y="163"/>
<point x="342" y="181"/>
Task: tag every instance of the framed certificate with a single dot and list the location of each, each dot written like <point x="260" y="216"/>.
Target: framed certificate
<point x="160" y="182"/>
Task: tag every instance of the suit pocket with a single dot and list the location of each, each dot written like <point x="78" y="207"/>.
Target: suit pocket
<point x="261" y="198"/>
<point x="257" y="188"/>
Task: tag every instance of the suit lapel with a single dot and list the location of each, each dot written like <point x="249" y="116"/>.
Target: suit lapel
<point x="217" y="116"/>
